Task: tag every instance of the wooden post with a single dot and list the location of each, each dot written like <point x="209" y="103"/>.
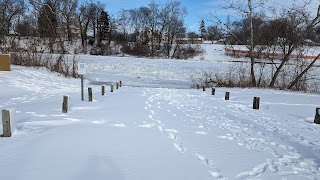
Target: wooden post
<point x="120" y="83"/>
<point x="317" y="116"/>
<point x="227" y="96"/>
<point x="82" y="94"/>
<point x="117" y="85"/>
<point x="204" y="88"/>
<point x="65" y="104"/>
<point x="90" y="94"/>
<point x="102" y="90"/>
<point x="198" y="86"/>
<point x="256" y="103"/>
<point x="6" y="123"/>
<point x="213" y="91"/>
<point x="111" y="88"/>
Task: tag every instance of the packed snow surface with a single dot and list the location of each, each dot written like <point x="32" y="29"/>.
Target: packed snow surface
<point x="155" y="126"/>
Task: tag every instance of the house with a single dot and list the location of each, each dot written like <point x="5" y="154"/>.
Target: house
<point x="189" y="40"/>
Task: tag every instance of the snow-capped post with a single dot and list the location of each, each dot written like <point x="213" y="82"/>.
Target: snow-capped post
<point x="102" y="90"/>
<point x="65" y="104"/>
<point x="111" y="88"/>
<point x="198" y="86"/>
<point x="256" y="102"/>
<point x="117" y="85"/>
<point x="90" y="94"/>
<point x="204" y="87"/>
<point x="120" y="83"/>
<point x="213" y="91"/>
<point x="7" y="124"/>
<point x="227" y="96"/>
<point x="317" y="116"/>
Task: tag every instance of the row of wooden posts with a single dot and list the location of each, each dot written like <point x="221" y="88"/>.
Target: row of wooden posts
<point x="90" y="98"/>
<point x="8" y="124"/>
<point x="256" y="102"/>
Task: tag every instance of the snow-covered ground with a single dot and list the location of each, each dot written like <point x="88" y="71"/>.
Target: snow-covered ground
<point x="155" y="126"/>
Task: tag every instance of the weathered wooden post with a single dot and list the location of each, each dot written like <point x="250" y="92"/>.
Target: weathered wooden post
<point x="117" y="86"/>
<point x="6" y="124"/>
<point x="198" y="86"/>
<point x="256" y="103"/>
<point x="90" y="94"/>
<point x="102" y="90"/>
<point x="65" y="104"/>
<point x="317" y="116"/>
<point x="111" y="88"/>
<point x="213" y="91"/>
<point x="227" y="96"/>
<point x="204" y="87"/>
<point x="120" y="83"/>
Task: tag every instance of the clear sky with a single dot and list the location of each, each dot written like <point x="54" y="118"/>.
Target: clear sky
<point x="199" y="9"/>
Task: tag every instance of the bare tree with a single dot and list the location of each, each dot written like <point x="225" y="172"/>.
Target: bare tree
<point x="295" y="42"/>
<point x="87" y="16"/>
<point x="176" y="13"/>
<point x="68" y="14"/>
<point x="9" y="9"/>
<point x="248" y="11"/>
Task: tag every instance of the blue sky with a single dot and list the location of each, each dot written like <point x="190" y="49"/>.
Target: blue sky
<point x="197" y="9"/>
<point x="200" y="9"/>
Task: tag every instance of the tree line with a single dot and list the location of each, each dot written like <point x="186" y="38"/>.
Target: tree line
<point x="151" y="28"/>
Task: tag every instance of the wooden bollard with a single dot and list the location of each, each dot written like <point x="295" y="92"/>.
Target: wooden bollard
<point x="6" y="124"/>
<point x="90" y="94"/>
<point x="117" y="85"/>
<point x="256" y="103"/>
<point x="317" y="116"/>
<point x="102" y="90"/>
<point x="213" y="91"/>
<point x="111" y="88"/>
<point x="198" y="86"/>
<point x="227" y="96"/>
<point x="204" y="88"/>
<point x="120" y="83"/>
<point x="65" y="104"/>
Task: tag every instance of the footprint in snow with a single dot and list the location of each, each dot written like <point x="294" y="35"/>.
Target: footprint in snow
<point x="201" y="132"/>
<point x="119" y="125"/>
<point x="179" y="147"/>
<point x="147" y="125"/>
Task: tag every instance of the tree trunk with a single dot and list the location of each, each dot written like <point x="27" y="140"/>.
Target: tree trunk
<point x="296" y="80"/>
<point x="69" y="30"/>
<point x="253" y="77"/>
<point x="293" y="47"/>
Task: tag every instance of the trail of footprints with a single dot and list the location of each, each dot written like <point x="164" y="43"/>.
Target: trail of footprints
<point x="287" y="160"/>
<point x="171" y="133"/>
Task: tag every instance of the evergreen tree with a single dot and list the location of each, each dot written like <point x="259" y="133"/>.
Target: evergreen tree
<point x="203" y="31"/>
<point x="104" y="26"/>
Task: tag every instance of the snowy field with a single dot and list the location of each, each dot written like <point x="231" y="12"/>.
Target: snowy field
<point x="155" y="127"/>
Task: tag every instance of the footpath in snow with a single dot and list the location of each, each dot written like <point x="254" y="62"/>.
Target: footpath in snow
<point x="154" y="133"/>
